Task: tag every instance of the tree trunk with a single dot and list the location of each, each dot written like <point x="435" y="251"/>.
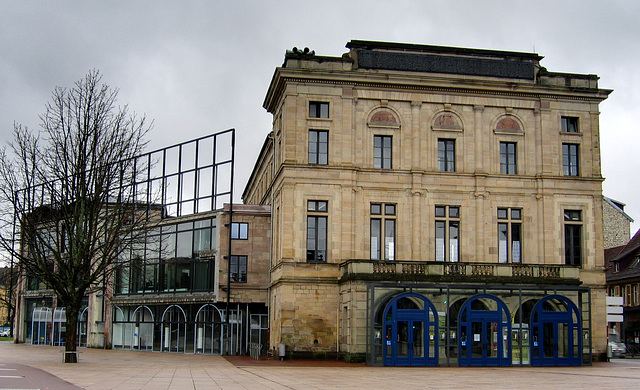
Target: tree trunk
<point x="71" y="335"/>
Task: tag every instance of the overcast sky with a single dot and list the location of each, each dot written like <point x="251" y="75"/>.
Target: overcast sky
<point x="198" y="67"/>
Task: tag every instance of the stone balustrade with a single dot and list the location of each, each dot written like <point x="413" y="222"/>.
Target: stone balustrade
<point x="378" y="268"/>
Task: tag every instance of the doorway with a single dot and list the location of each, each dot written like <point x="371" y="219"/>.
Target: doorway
<point x="484" y="333"/>
<point x="556" y="330"/>
<point x="410" y="329"/>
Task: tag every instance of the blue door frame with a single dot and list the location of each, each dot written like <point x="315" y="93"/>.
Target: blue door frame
<point x="483" y="334"/>
<point x="557" y="339"/>
<point x="410" y="335"/>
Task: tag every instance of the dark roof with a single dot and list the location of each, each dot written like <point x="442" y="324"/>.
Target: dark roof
<point x="443" y="59"/>
<point x="625" y="256"/>
<point x="395" y="46"/>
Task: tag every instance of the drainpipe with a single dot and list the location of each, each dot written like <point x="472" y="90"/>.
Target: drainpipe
<point x="233" y="143"/>
<point x="273" y="175"/>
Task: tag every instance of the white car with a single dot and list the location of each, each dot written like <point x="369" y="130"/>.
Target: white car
<point x="4" y="333"/>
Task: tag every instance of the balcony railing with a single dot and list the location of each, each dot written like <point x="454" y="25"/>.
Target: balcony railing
<point x="376" y="267"/>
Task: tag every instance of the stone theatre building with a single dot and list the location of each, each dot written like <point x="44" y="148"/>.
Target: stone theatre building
<point x="413" y="205"/>
<point x="433" y="206"/>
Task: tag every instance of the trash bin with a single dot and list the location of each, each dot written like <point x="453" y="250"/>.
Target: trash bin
<point x="281" y="351"/>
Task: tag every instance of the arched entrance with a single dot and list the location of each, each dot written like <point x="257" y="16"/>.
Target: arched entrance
<point x="174" y="329"/>
<point x="484" y="326"/>
<point x="410" y="332"/>
<point x="142" y="329"/>
<point x="556" y="330"/>
<point x="82" y="327"/>
<point x="40" y="326"/>
<point x="208" y="330"/>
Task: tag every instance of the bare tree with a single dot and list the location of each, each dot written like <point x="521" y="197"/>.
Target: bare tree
<point x="68" y="193"/>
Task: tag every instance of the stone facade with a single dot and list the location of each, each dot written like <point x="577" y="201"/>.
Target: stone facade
<point x="408" y="94"/>
<point x="616" y="224"/>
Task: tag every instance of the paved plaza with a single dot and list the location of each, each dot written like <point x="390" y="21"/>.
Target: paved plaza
<point x="36" y="367"/>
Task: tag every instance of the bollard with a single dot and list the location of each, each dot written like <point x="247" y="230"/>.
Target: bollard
<point x="281" y="351"/>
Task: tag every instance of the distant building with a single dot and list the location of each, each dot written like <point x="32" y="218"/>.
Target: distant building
<point x="623" y="280"/>
<point x="434" y="206"/>
<point x="4" y="296"/>
<point x="616" y="225"/>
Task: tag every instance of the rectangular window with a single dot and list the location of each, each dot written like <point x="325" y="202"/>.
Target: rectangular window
<point x="573" y="237"/>
<point x="508" y="160"/>
<point x="383" y="231"/>
<point x="509" y="235"/>
<point x="569" y="124"/>
<point x="382" y="151"/>
<point x="239" y="231"/>
<point x="570" y="159"/>
<point x="318" y="109"/>
<point x="238" y="265"/>
<point x="448" y="233"/>
<point x="447" y="155"/>
<point x="317" y="231"/>
<point x="318" y="147"/>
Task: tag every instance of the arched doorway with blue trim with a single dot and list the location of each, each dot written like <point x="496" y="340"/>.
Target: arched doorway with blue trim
<point x="410" y="331"/>
<point x="484" y="327"/>
<point x="556" y="329"/>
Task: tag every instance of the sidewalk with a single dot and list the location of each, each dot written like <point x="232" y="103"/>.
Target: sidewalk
<point x="114" y="369"/>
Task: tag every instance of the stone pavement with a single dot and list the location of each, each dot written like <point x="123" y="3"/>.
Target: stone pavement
<point x="114" y="369"/>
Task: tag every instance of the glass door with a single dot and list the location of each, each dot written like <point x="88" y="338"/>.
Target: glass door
<point x="410" y="345"/>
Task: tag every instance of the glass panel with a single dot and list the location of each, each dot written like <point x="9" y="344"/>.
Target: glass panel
<point x="389" y="239"/>
<point x="502" y="243"/>
<point x="432" y="341"/>
<point x="440" y="240"/>
<point x="440" y="211"/>
<point x="185" y="245"/>
<point x="324" y="110"/>
<point x="477" y="339"/>
<point x="389" y="346"/>
<point x="548" y="339"/>
<point x="201" y="241"/>
<point x="516" y="249"/>
<point x="386" y="163"/>
<point x="390" y="209"/>
<point x="311" y="238"/>
<point x="322" y="239"/>
<point x="377" y="152"/>
<point x="454" y="241"/>
<point x="323" y="147"/>
<point x="201" y="275"/>
<point x="463" y="342"/>
<point x="492" y="339"/>
<point x="418" y="339"/>
<point x="376" y="238"/>
<point x="183" y="280"/>
<point x="564" y="338"/>
<point x="403" y="339"/>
